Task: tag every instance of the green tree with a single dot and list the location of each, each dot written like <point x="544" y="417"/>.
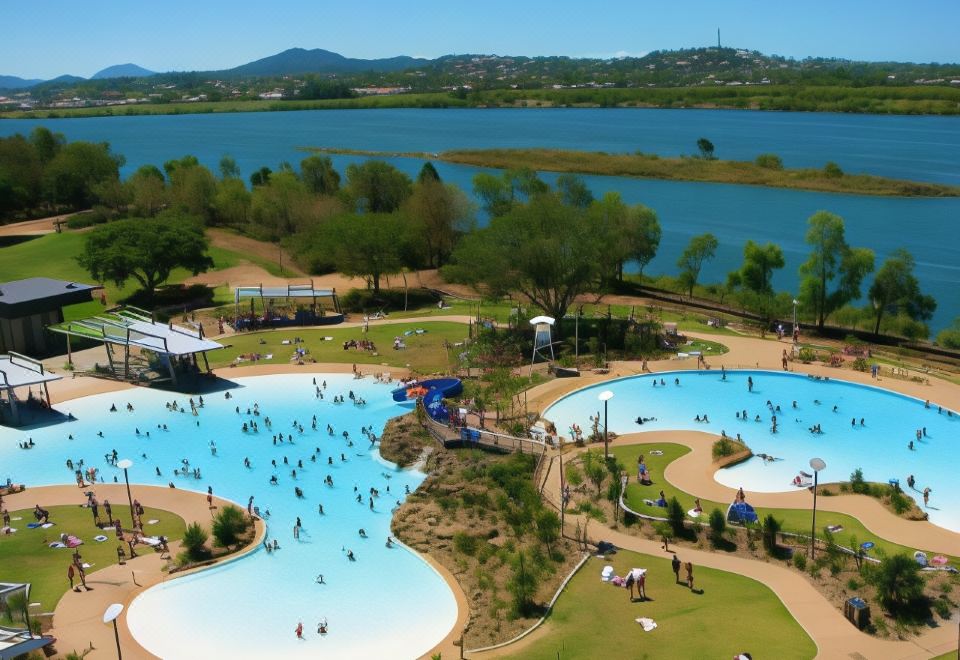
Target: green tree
<point x="70" y="177"/>
<point x="832" y="264"/>
<point x="547" y="251"/>
<point x="895" y="290"/>
<point x="718" y="525"/>
<point x="499" y="194"/>
<point x="523" y="584"/>
<point x="700" y="249"/>
<point x="438" y="214"/>
<point x="281" y="207"/>
<point x="147" y="188"/>
<point x="574" y="191"/>
<point x="769" y="161"/>
<point x="145" y="249"/>
<point x="369" y="245"/>
<point x="229" y="524"/>
<point x="319" y="176"/>
<point x="229" y="168"/>
<point x="754" y="281"/>
<point x="261" y="177"/>
<point x="21" y="175"/>
<point x="428" y="173"/>
<point x="47" y="143"/>
<point x="676" y="516"/>
<point x="642" y="235"/>
<point x="771" y="527"/>
<point x="377" y="187"/>
<point x="898" y="582"/>
<point x="192" y="188"/>
<point x="706" y="149"/>
<point x="595" y="470"/>
<point x="232" y="202"/>
<point x="949" y="337"/>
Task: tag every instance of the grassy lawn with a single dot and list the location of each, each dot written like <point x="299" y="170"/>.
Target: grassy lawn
<point x="728" y="614"/>
<point x="54" y="255"/>
<point x="794" y="520"/>
<point x="424" y="353"/>
<point x="25" y="556"/>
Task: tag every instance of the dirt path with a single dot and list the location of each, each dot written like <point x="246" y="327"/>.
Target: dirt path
<point x="36" y="227"/>
<point x="229" y="240"/>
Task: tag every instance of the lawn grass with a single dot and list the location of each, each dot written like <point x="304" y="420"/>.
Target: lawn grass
<point x="793" y="520"/>
<point x="55" y="255"/>
<point x="424" y="353"/>
<point x="726" y="615"/>
<point x="25" y="556"/>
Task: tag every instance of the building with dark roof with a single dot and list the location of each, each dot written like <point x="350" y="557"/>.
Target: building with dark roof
<point x="28" y="306"/>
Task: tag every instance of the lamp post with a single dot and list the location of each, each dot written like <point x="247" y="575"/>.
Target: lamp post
<point x="125" y="464"/>
<point x="817" y="464"/>
<point x="110" y="616"/>
<point x="795" y="303"/>
<point x="605" y="396"/>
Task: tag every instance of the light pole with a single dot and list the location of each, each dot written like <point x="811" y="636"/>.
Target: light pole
<point x="605" y="396"/>
<point x="817" y="464"/>
<point x="110" y="616"/>
<point x="795" y="303"/>
<point x="125" y="464"/>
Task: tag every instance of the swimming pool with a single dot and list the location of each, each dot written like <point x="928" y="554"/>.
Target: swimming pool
<point x="389" y="603"/>
<point x="879" y="446"/>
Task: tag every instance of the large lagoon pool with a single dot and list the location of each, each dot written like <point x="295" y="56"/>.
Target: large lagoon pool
<point x="389" y="603"/>
<point x="880" y="446"/>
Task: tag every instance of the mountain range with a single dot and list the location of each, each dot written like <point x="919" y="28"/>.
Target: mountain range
<point x="289" y="62"/>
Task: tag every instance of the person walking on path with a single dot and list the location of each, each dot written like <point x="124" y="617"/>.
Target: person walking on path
<point x="676" y="568"/>
<point x="70" y="576"/>
<point x="689" y="567"/>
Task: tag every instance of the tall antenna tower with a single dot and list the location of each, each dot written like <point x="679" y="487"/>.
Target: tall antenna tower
<point x="718" y="37"/>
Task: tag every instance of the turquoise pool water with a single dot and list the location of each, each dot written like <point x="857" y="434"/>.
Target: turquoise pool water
<point x="879" y="446"/>
<point x="389" y="603"/>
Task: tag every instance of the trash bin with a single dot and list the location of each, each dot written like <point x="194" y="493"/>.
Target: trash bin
<point x="857" y="612"/>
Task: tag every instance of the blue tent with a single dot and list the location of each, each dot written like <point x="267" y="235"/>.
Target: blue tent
<point x="741" y="512"/>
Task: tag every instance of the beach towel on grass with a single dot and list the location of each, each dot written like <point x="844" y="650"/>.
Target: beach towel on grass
<point x="647" y="623"/>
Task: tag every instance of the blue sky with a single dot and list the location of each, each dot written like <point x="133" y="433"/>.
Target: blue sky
<point x="52" y="37"/>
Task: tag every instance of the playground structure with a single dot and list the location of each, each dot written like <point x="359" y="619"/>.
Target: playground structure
<point x="285" y="306"/>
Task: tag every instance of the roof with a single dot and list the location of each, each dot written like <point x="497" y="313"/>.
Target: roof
<point x="289" y="291"/>
<point x="15" y="642"/>
<point x="37" y="294"/>
<point x="126" y="327"/>
<point x="18" y="371"/>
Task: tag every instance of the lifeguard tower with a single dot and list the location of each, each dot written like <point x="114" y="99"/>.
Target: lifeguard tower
<point x="542" y="338"/>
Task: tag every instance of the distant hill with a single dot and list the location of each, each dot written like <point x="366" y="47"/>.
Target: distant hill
<point x="13" y="82"/>
<point x="122" y="71"/>
<point x="300" y="60"/>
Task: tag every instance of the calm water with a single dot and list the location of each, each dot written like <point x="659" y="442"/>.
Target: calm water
<point x="387" y="603"/>
<point x="879" y="447"/>
<point x="921" y="148"/>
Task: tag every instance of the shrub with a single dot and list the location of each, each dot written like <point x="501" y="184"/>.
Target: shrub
<point x="723" y="447"/>
<point x="465" y="543"/>
<point x="898" y="583"/>
<point x="942" y="607"/>
<point x="853" y="584"/>
<point x="718" y="525"/>
<point x="771" y="527"/>
<point x="860" y="364"/>
<point x="769" y="161"/>
<point x="832" y="171"/>
<point x="194" y="542"/>
<point x="858" y="484"/>
<point x="899" y="502"/>
<point x="229" y="523"/>
<point x="676" y="515"/>
<point x="800" y="560"/>
<point x="523" y="585"/>
<point x="806" y="355"/>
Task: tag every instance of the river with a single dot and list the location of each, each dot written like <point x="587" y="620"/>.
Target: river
<point x="919" y="148"/>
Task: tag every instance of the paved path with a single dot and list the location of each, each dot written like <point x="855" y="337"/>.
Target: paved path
<point x="78" y="617"/>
